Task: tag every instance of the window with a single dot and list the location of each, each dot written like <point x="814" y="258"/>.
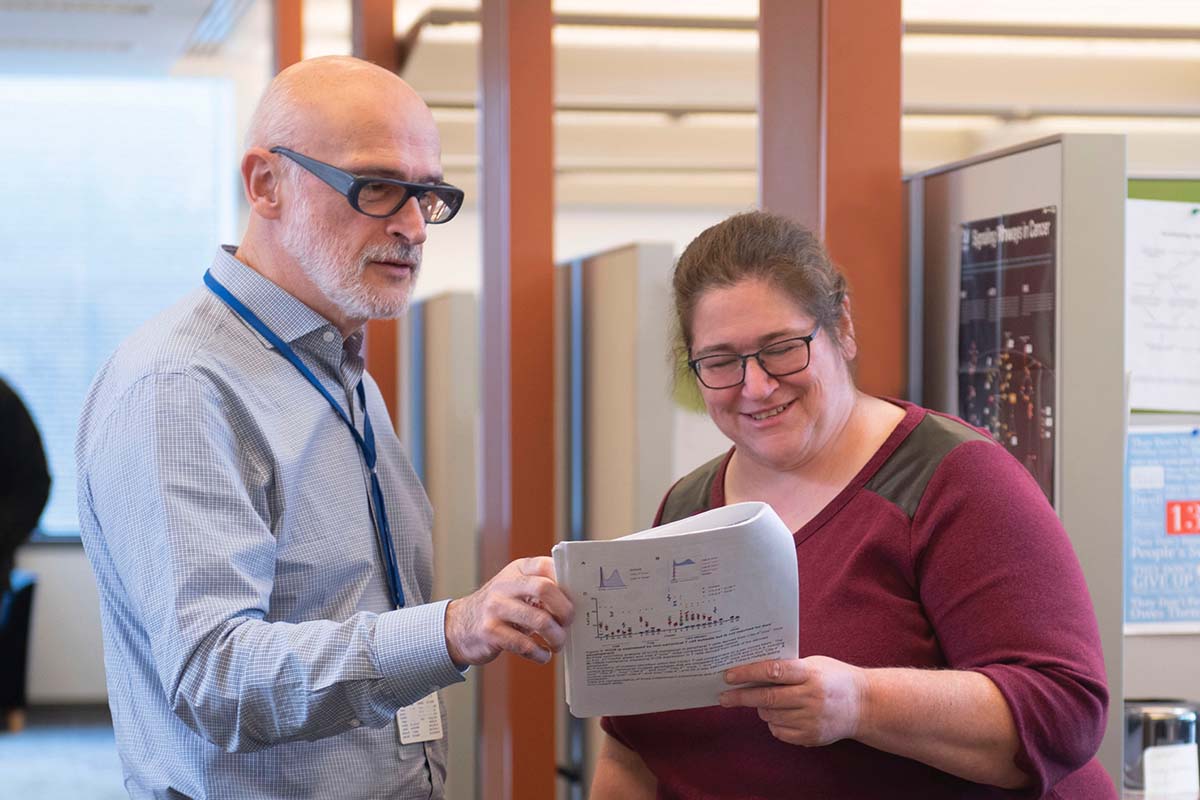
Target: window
<point x="116" y="195"/>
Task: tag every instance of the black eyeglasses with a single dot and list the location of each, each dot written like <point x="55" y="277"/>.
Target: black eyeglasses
<point x="726" y="370"/>
<point x="383" y="197"/>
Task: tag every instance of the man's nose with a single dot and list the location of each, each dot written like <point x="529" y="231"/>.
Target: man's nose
<point x="408" y="223"/>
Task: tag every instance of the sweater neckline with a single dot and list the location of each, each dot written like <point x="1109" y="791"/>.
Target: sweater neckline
<point x="913" y="414"/>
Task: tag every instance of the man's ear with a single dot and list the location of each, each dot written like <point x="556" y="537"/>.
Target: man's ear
<point x="846" y="340"/>
<point x="260" y="182"/>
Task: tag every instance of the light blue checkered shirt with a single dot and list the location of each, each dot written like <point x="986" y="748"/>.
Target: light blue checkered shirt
<point x="250" y="645"/>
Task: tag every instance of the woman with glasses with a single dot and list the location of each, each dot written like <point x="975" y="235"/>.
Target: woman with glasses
<point x="948" y="644"/>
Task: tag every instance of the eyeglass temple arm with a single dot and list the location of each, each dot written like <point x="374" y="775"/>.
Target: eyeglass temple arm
<point x="334" y="177"/>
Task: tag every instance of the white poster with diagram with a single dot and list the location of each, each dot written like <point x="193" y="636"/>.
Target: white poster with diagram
<point x="1162" y="304"/>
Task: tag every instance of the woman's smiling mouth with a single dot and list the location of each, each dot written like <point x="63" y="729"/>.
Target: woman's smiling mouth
<point x="771" y="412"/>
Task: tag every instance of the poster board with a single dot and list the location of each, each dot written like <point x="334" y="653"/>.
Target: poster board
<point x="1162" y="332"/>
<point x="1162" y="665"/>
<point x="1162" y="530"/>
<point x="1007" y="335"/>
<point x="1083" y="177"/>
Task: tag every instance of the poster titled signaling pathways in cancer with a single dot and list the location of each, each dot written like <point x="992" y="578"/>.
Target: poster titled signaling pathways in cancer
<point x="1006" y="347"/>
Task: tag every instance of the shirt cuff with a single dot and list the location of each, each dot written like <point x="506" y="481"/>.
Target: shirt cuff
<point x="410" y="645"/>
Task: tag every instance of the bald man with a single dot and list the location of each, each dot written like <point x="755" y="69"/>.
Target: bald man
<point x="260" y="540"/>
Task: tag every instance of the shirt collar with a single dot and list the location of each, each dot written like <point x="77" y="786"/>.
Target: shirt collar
<point x="286" y="316"/>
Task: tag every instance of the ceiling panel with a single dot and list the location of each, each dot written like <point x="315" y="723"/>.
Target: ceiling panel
<point x="107" y="37"/>
<point x="657" y="112"/>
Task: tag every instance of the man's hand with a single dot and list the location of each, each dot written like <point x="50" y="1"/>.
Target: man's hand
<point x="521" y="610"/>
<point x="806" y="701"/>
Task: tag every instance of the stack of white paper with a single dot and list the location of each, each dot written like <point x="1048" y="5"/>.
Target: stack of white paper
<point x="661" y="614"/>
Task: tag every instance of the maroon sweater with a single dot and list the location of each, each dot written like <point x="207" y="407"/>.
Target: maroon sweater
<point x="942" y="552"/>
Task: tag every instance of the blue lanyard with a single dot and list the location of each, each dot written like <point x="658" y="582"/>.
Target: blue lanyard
<point x="366" y="442"/>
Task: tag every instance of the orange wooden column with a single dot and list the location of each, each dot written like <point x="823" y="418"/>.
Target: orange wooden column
<point x="517" y="179"/>
<point x="287" y="32"/>
<point x="829" y="155"/>
<point x="790" y="153"/>
<point x="375" y="41"/>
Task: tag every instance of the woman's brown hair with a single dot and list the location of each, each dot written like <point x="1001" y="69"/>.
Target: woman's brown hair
<point x="760" y="246"/>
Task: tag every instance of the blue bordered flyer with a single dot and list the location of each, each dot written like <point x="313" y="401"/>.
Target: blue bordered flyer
<point x="1162" y="530"/>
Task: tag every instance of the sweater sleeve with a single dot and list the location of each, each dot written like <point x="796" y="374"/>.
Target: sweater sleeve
<point x="1006" y="596"/>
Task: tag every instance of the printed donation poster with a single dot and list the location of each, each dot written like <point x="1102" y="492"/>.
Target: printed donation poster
<point x="660" y="615"/>
<point x="1162" y="530"/>
<point x="1006" y="347"/>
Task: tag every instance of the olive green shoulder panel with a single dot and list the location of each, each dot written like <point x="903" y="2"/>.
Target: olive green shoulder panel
<point x="690" y="495"/>
<point x="904" y="476"/>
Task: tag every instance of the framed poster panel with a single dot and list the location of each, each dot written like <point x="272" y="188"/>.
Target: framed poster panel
<point x="1007" y="336"/>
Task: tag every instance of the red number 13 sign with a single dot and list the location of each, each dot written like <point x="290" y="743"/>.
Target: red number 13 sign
<point x="1183" y="516"/>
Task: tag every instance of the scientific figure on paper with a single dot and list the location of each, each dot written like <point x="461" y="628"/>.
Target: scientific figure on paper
<point x="948" y="645"/>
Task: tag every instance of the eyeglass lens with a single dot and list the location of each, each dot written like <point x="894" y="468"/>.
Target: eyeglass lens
<point x="723" y="371"/>
<point x="382" y="199"/>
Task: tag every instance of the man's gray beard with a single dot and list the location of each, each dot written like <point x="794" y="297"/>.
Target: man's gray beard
<point x="338" y="275"/>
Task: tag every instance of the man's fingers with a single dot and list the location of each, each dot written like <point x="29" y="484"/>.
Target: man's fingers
<point x="535" y="620"/>
<point x="521" y="610"/>
<point x="533" y="580"/>
<point x="774" y="671"/>
<point x="546" y="594"/>
<point x="537" y="565"/>
<point x="511" y="639"/>
<point x="540" y="592"/>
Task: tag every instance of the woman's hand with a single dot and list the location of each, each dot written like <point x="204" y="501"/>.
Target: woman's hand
<point x="805" y="701"/>
<point x="954" y="720"/>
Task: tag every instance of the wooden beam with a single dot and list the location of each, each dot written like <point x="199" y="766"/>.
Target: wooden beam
<point x="790" y="123"/>
<point x="287" y="33"/>
<point x="373" y="32"/>
<point x="373" y="22"/>
<point x="517" y="104"/>
<point x="864" y="208"/>
<point x="830" y="156"/>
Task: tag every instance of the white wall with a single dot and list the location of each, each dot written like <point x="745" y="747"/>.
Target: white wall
<point x="66" y="658"/>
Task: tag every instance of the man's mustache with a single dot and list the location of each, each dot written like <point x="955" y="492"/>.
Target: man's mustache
<point x="406" y="253"/>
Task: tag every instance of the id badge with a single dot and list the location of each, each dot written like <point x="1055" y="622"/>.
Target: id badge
<point x="420" y="722"/>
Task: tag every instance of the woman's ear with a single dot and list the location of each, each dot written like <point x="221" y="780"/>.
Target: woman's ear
<point x="260" y="182"/>
<point x="845" y="331"/>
